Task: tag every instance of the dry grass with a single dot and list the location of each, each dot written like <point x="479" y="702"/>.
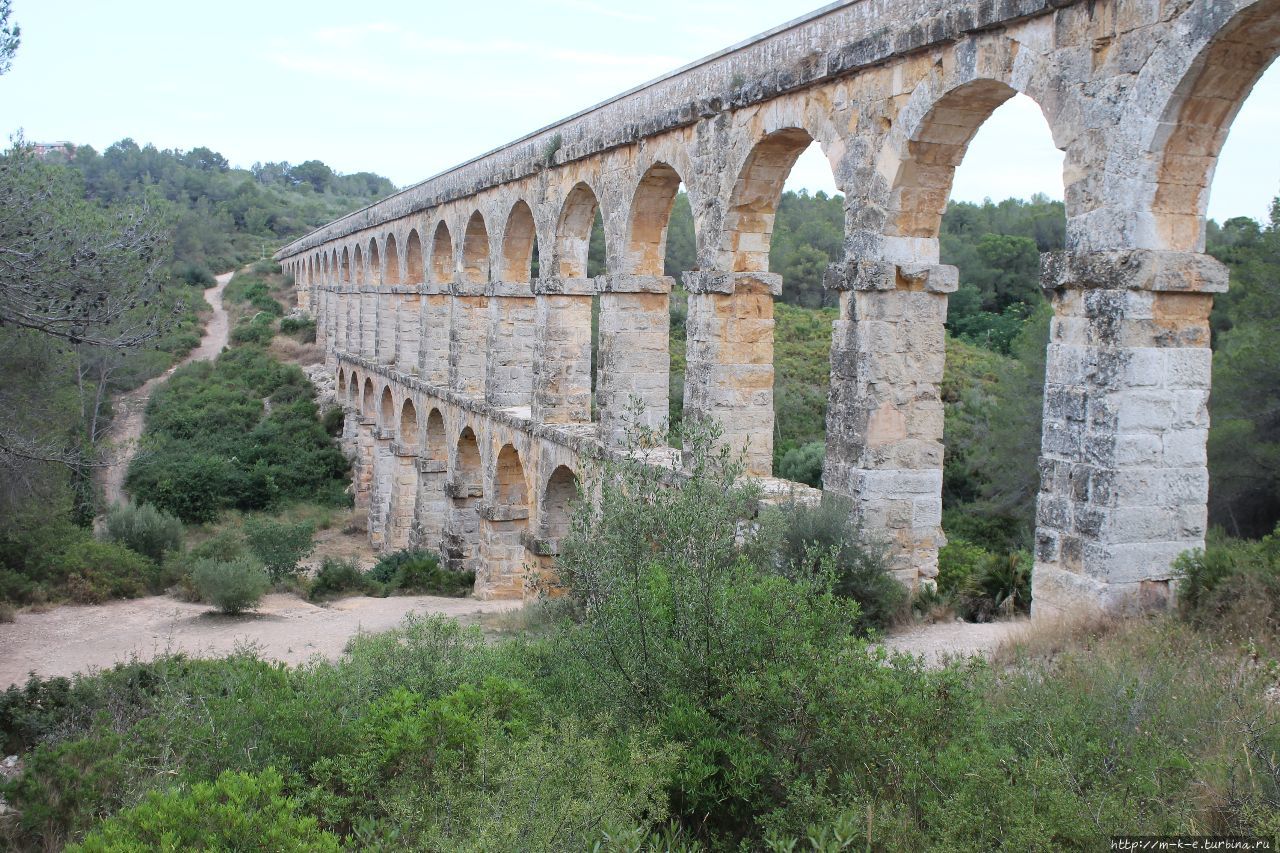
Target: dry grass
<point x="293" y="351"/>
<point x="1045" y="639"/>
<point x="8" y="613"/>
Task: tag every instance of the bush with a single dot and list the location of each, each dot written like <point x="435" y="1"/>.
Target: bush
<point x="92" y="572"/>
<point x="195" y="275"/>
<point x="420" y="572"/>
<point x="238" y="811"/>
<point x="279" y="545"/>
<point x="959" y="561"/>
<point x="260" y="330"/>
<point x="1233" y="585"/>
<point x="333" y="421"/>
<point x="335" y="578"/>
<point x="144" y="529"/>
<point x="1000" y="587"/>
<point x="230" y="586"/>
<point x="303" y="328"/>
<point x="819" y="538"/>
<point x="804" y="464"/>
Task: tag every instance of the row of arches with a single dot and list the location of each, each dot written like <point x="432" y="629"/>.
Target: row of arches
<point x="1140" y="139"/>
<point x="494" y="505"/>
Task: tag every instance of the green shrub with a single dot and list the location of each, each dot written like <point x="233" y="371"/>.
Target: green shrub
<point x="195" y="275"/>
<point x="230" y="586"/>
<point x="1233" y="585"/>
<point x="238" y="811"/>
<point x="818" y="538"/>
<point x="420" y="572"/>
<point x="145" y="529"/>
<point x="303" y="328"/>
<point x="804" y="464"/>
<point x="959" y="561"/>
<point x="336" y="577"/>
<point x="212" y="445"/>
<point x="1000" y="587"/>
<point x="333" y="421"/>
<point x="280" y="545"/>
<point x="92" y="572"/>
<point x="260" y="330"/>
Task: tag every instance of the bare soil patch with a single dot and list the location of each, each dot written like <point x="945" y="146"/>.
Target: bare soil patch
<point x="71" y="639"/>
<point x="939" y="641"/>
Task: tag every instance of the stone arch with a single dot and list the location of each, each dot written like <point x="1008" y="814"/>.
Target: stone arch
<point x="753" y="203"/>
<point x="392" y="274"/>
<point x="573" y="231"/>
<point x="509" y="483"/>
<point x="357" y="267"/>
<point x="466" y="456"/>
<point x="408" y="433"/>
<point x="921" y="185"/>
<point x="436" y="436"/>
<point x="442" y="255"/>
<point x="1184" y="145"/>
<point x="344" y="267"/>
<point x="367" y="404"/>
<point x="413" y="258"/>
<point x="649" y="215"/>
<point x="557" y="497"/>
<point x="375" y="262"/>
<point x="342" y="385"/>
<point x="519" y="239"/>
<point x="386" y="408"/>
<point x="475" y="250"/>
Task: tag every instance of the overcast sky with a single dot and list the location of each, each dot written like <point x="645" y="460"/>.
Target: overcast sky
<point x="408" y="89"/>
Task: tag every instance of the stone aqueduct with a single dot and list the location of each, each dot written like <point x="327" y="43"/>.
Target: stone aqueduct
<point x="467" y="380"/>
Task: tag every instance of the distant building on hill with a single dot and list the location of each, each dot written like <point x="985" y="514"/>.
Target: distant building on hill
<point x="54" y="150"/>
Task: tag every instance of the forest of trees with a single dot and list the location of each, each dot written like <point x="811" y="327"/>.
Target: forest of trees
<point x="115" y="249"/>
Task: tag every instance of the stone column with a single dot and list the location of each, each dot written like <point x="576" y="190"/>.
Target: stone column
<point x="408" y="331"/>
<point x="387" y="341"/>
<point x="404" y="495"/>
<point x="885" y="418"/>
<point x="340" y="320"/>
<point x="502" y="566"/>
<point x="729" y="360"/>
<point x="513" y="314"/>
<point x="460" y="540"/>
<point x="363" y="473"/>
<point x="380" y="493"/>
<point x="368" y="322"/>
<point x="468" y="338"/>
<point x="431" y="508"/>
<point x="1124" y="482"/>
<point x="635" y="359"/>
<point x="321" y="316"/>
<point x="433" y="349"/>
<point x="562" y="350"/>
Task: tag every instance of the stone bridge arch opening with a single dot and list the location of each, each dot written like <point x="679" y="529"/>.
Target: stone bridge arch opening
<point x="413" y="258"/>
<point x="392" y="274"/>
<point x="432" y="504"/>
<point x="403" y="493"/>
<point x="513" y="314"/>
<point x="505" y="520"/>
<point x="461" y="537"/>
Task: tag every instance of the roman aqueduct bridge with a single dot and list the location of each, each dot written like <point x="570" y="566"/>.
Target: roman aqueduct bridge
<point x="467" y="379"/>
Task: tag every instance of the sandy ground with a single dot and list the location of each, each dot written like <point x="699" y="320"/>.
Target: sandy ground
<point x="938" y="641"/>
<point x="127" y="426"/>
<point x="71" y="639"/>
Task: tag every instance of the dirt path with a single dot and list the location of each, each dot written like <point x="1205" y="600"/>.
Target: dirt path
<point x="126" y="429"/>
<point x="941" y="640"/>
<point x="72" y="639"/>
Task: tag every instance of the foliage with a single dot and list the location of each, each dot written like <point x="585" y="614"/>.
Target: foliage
<point x="1234" y="585"/>
<point x="279" y="545"/>
<point x="813" y="540"/>
<point x="249" y="456"/>
<point x="803" y="464"/>
<point x="10" y="37"/>
<point x="413" y="571"/>
<point x="336" y="577"/>
<point x="236" y="809"/>
<point x="145" y="529"/>
<point x="231" y="586"/>
<point x="259" y="329"/>
<point x="1244" y="438"/>
<point x="303" y="328"/>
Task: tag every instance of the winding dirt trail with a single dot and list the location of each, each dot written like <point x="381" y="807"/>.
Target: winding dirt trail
<point x="126" y="429"/>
